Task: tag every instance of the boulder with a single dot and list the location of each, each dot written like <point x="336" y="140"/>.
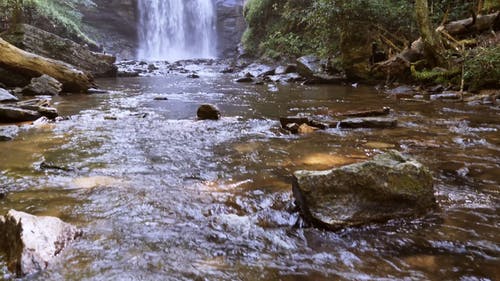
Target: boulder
<point x="309" y="66"/>
<point x="367" y="122"/>
<point x="10" y="114"/>
<point x="208" y="112"/>
<point x="30" y="243"/>
<point x="8" y="133"/>
<point x="5" y="96"/>
<point x="388" y="187"/>
<point x="258" y="70"/>
<point x="43" y="85"/>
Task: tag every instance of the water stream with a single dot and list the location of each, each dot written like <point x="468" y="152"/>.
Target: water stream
<point x="176" y="29"/>
<point x="161" y="196"/>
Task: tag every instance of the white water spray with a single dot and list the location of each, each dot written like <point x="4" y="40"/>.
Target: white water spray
<point x="176" y="29"/>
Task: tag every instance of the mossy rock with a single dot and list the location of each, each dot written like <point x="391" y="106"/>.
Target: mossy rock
<point x="388" y="187"/>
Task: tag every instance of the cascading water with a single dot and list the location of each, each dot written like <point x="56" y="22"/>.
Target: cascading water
<point x="176" y="29"/>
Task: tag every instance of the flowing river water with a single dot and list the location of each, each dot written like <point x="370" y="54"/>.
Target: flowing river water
<point x="161" y="196"/>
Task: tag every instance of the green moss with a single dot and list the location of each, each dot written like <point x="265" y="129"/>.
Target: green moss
<point x="440" y="76"/>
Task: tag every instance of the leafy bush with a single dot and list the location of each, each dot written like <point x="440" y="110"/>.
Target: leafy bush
<point x="295" y="27"/>
<point x="482" y="68"/>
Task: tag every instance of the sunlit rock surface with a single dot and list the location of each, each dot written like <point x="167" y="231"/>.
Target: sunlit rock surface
<point x="30" y="243"/>
<point x="387" y="187"/>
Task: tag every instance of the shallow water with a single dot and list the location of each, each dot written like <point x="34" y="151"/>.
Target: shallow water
<point x="161" y="196"/>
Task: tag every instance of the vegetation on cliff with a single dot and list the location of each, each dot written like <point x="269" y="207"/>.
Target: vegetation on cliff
<point x="61" y="17"/>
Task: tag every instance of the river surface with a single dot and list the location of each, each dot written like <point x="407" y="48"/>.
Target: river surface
<point x="161" y="196"/>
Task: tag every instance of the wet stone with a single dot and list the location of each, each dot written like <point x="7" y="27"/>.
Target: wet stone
<point x="208" y="112"/>
<point x="389" y="186"/>
<point x="31" y="243"/>
<point x="8" y="133"/>
<point x="5" y="96"/>
<point x="244" y="80"/>
<point x="10" y="114"/>
<point x="446" y="96"/>
<point x="368" y="122"/>
<point x="299" y="120"/>
<point x="43" y="85"/>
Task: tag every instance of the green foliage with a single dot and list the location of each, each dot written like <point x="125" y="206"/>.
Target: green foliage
<point x="59" y="14"/>
<point x="482" y="68"/>
<point x="297" y="27"/>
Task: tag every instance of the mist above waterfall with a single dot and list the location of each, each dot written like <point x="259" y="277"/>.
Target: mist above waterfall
<point x="176" y="29"/>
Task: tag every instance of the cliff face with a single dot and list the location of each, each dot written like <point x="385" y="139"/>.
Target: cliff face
<point x="113" y="24"/>
<point x="230" y="26"/>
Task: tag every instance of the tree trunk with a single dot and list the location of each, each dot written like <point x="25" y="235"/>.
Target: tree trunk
<point x="433" y="47"/>
<point x="32" y="65"/>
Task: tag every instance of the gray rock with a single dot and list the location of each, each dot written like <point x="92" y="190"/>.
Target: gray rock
<point x="8" y="133"/>
<point x="244" y="80"/>
<point x="230" y="26"/>
<point x="258" y="70"/>
<point x="388" y="187"/>
<point x="449" y="95"/>
<point x="30" y="243"/>
<point x="368" y="122"/>
<point x="285" y="69"/>
<point x="5" y="96"/>
<point x="43" y="85"/>
<point x="309" y="66"/>
<point x="401" y="90"/>
<point x="9" y="114"/>
<point x="208" y="112"/>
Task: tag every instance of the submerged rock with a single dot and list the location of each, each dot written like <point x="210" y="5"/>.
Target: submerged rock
<point x="367" y="113"/>
<point x="43" y="85"/>
<point x="388" y="187"/>
<point x="5" y="96"/>
<point x="368" y="122"/>
<point x="208" y="112"/>
<point x="8" y="133"/>
<point x="30" y="243"/>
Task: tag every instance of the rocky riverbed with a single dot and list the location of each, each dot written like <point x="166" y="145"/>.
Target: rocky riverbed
<point x="160" y="194"/>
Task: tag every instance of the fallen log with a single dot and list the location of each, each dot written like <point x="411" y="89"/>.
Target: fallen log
<point x="32" y="65"/>
<point x="470" y="25"/>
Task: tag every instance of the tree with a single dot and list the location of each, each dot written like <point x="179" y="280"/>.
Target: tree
<point x="433" y="46"/>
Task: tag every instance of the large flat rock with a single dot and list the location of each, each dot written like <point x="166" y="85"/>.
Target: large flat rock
<point x="389" y="186"/>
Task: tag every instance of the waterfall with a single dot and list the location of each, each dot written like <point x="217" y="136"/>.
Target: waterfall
<point x="176" y="29"/>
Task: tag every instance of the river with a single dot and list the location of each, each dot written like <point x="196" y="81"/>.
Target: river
<point x="162" y="196"/>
